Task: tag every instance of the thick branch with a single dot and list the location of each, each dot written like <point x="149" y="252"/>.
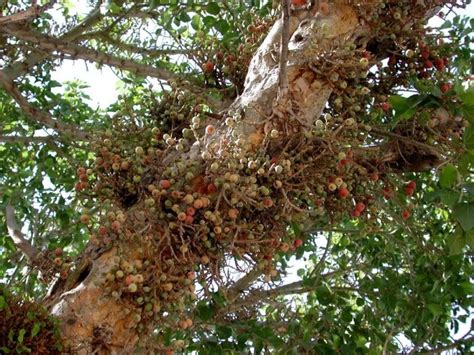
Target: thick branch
<point x="21" y="139"/>
<point x="50" y="44"/>
<point x="242" y="284"/>
<point x="148" y="52"/>
<point x="18" y="238"/>
<point x="24" y="15"/>
<point x="285" y="37"/>
<point x="36" y="114"/>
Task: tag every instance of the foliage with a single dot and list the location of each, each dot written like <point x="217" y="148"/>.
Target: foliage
<point x="381" y="228"/>
<point x="26" y="328"/>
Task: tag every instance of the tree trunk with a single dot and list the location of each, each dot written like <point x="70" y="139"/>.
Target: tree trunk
<point x="93" y="318"/>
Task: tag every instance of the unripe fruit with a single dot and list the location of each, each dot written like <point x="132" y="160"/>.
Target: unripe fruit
<point x="139" y="151"/>
<point x="132" y="288"/>
<point x="85" y="218"/>
<point x="284" y="247"/>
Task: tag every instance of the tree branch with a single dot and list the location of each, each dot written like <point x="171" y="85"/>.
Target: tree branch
<point x="20" y="68"/>
<point x="241" y="284"/>
<point x="285" y="37"/>
<point x="36" y="114"/>
<point x="51" y="44"/>
<point x="150" y="53"/>
<point x="18" y="238"/>
<point x="24" y="15"/>
<point x="21" y="139"/>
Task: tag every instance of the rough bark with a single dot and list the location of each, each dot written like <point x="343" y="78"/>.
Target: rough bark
<point x="91" y="320"/>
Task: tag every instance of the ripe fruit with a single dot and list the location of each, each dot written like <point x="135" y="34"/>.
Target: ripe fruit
<point x="165" y="184"/>
<point x="211" y="188"/>
<point x="360" y="207"/>
<point x="268" y="202"/>
<point x="297" y="243"/>
<point x="284" y="247"/>
<point x="388" y="193"/>
<point x="115" y="226"/>
<point x="439" y="64"/>
<point x="343" y="192"/>
<point x="355" y="213"/>
<point x="80" y="171"/>
<point x="210" y="130"/>
<point x="445" y="87"/>
<point x="385" y="106"/>
<point x="374" y="177"/>
<point x="405" y="214"/>
<point x="208" y="67"/>
<point x="298" y="2"/>
<point x="233" y="213"/>
<point x="85" y="218"/>
<point x="102" y="230"/>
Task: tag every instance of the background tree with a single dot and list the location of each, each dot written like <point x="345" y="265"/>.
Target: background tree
<point x="249" y="137"/>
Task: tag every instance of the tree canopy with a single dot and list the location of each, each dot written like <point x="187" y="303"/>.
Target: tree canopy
<point x="275" y="176"/>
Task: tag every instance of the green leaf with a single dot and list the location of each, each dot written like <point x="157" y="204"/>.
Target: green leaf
<point x="213" y="8"/>
<point x="449" y="197"/>
<point x="467" y="97"/>
<point x="470" y="238"/>
<point x="219" y="299"/>
<point x="404" y="107"/>
<point x="224" y="332"/>
<point x="448" y="176"/>
<point x="464" y="213"/>
<point x="204" y="311"/>
<point x="35" y="330"/>
<point x="456" y="244"/>
<point x="435" y="309"/>
<point x="2" y="302"/>
<point x="222" y="26"/>
<point x="196" y="22"/>
<point x="468" y="287"/>
<point x="21" y="335"/>
<point x="468" y="111"/>
<point x="469" y="137"/>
